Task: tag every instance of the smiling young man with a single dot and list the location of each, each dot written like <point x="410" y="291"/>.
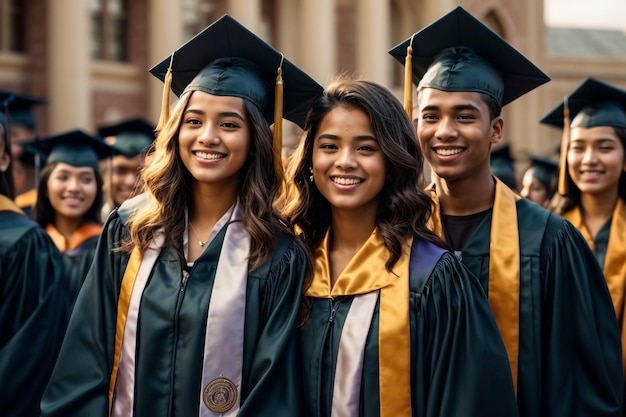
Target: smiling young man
<point x="544" y="286"/>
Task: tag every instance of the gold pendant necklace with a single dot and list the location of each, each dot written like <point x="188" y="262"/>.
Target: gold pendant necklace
<point x="200" y="242"/>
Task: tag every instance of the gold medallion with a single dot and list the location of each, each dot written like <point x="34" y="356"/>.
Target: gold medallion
<point x="220" y="395"/>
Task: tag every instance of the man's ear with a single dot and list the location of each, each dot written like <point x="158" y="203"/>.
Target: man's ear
<point x="497" y="128"/>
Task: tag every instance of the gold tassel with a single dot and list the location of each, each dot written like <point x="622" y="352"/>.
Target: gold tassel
<point x="165" y="100"/>
<point x="408" y="80"/>
<point x="278" y="119"/>
<point x="562" y="185"/>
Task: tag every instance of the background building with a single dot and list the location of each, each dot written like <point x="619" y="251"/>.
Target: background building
<point x="89" y="58"/>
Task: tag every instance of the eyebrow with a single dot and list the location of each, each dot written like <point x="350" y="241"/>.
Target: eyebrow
<point x="221" y="114"/>
<point x="359" y="138"/>
<point x="459" y="107"/>
<point x="601" y="140"/>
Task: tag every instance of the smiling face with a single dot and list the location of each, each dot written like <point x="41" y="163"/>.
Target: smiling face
<point x="532" y="188"/>
<point x="349" y="167"/>
<point x="214" y="139"/>
<point x="124" y="177"/>
<point x="71" y="190"/>
<point x="595" y="159"/>
<point x="456" y="132"/>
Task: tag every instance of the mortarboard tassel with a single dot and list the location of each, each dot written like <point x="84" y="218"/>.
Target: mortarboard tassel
<point x="408" y="80"/>
<point x="165" y="100"/>
<point x="278" y="118"/>
<point x="562" y="185"/>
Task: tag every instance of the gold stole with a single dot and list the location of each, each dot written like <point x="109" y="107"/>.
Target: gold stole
<point x="504" y="266"/>
<point x="27" y="199"/>
<point x="365" y="273"/>
<point x="79" y="235"/>
<point x="6" y="204"/>
<point x="614" y="263"/>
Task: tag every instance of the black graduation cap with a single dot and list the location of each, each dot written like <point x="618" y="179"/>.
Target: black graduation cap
<point x="593" y="103"/>
<point x="132" y="137"/>
<point x="501" y="165"/>
<point x="544" y="169"/>
<point x="74" y="147"/>
<point x="227" y="59"/>
<point x="460" y="53"/>
<point x="21" y="108"/>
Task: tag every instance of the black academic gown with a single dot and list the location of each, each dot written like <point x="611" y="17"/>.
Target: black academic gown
<point x="569" y="345"/>
<point x="171" y="332"/>
<point x="77" y="262"/>
<point x="458" y="362"/>
<point x="34" y="310"/>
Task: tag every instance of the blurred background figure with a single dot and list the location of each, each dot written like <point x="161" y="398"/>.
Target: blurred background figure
<point x="23" y="128"/>
<point x="131" y="139"/>
<point x="592" y="179"/>
<point x="69" y="198"/>
<point x="503" y="166"/>
<point x="539" y="180"/>
<point x="33" y="303"/>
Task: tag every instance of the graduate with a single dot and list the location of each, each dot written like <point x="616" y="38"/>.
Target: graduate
<point x="193" y="301"/>
<point x="397" y="326"/>
<point x="539" y="180"/>
<point x="131" y="139"/>
<point x="545" y="288"/>
<point x="69" y="198"/>
<point x="23" y="123"/>
<point x="34" y="306"/>
<point x="592" y="178"/>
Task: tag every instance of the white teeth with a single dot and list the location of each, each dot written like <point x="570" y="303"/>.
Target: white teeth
<point x="204" y="155"/>
<point x="448" y="152"/>
<point x="346" y="181"/>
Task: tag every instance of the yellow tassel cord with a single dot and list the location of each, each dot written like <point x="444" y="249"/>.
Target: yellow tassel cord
<point x="278" y="119"/>
<point x="165" y="100"/>
<point x="408" y="80"/>
<point x="562" y="185"/>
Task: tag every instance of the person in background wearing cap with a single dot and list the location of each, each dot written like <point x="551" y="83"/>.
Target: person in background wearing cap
<point x="131" y="139"/>
<point x="398" y="326"/>
<point x="502" y="166"/>
<point x="34" y="306"/>
<point x="592" y="179"/>
<point x="543" y="283"/>
<point x="539" y="180"/>
<point x="23" y="128"/>
<point x="205" y="322"/>
<point x="69" y="198"/>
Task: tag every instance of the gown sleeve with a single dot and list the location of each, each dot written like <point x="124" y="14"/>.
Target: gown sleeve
<point x="583" y="366"/>
<point x="461" y="366"/>
<point x="34" y="309"/>
<point x="80" y="380"/>
<point x="272" y="386"/>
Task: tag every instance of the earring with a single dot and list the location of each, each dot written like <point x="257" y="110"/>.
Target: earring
<point x="311" y="176"/>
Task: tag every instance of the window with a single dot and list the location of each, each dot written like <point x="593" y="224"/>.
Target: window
<point x="108" y="29"/>
<point x="11" y="26"/>
<point x="197" y="15"/>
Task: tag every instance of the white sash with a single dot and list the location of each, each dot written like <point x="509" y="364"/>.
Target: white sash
<point x="349" y="370"/>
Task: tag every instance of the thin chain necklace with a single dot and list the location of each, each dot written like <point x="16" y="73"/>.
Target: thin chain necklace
<point x="200" y="242"/>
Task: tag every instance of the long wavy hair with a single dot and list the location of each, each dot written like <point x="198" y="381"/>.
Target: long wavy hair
<point x="167" y="186"/>
<point x="44" y="213"/>
<point x="561" y="204"/>
<point x="404" y="207"/>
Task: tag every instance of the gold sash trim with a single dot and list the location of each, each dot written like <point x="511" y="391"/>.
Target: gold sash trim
<point x="27" y="199"/>
<point x="79" y="235"/>
<point x="615" y="262"/>
<point x="504" y="266"/>
<point x="365" y="273"/>
<point x="6" y="204"/>
<point x="128" y="281"/>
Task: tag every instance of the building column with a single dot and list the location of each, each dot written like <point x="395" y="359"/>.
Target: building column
<point x="69" y="66"/>
<point x="248" y="13"/>
<point x="162" y="14"/>
<point x="318" y="29"/>
<point x="373" y="40"/>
